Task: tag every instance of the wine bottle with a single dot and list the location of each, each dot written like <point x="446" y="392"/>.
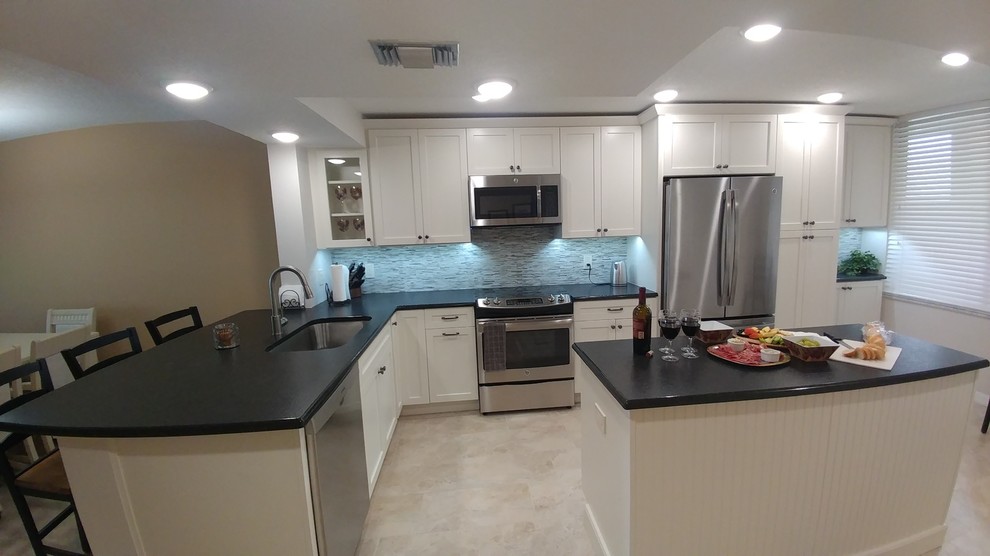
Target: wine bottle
<point x="642" y="323"/>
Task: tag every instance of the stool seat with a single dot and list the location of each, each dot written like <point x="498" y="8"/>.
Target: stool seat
<point x="47" y="475"/>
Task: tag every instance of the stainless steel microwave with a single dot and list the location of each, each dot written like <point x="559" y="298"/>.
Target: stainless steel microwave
<point x="515" y="200"/>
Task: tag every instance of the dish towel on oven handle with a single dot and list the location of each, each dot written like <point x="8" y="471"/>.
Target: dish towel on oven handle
<point x="493" y="346"/>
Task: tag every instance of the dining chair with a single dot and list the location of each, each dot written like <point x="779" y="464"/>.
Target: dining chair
<point x="44" y="476"/>
<point x="72" y="355"/>
<point x="51" y="349"/>
<point x="59" y="320"/>
<point x="9" y="358"/>
<point x="155" y="325"/>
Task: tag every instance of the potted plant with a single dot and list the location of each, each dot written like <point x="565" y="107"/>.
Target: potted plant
<point x="859" y="262"/>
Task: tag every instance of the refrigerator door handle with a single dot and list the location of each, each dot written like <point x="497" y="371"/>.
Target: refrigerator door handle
<point x="733" y="221"/>
<point x="720" y="280"/>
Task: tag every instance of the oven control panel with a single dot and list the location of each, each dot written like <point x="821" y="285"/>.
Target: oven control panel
<point x="521" y="302"/>
<point x="524" y="306"/>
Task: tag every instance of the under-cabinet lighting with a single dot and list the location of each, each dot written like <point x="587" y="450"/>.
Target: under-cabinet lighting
<point x="285" y="136"/>
<point x="187" y="90"/>
<point x="955" y="59"/>
<point x="762" y="32"/>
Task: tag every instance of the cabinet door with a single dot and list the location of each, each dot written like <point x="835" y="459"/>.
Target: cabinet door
<point x="537" y="150"/>
<point x="858" y="302"/>
<point x="580" y="181"/>
<point x="409" y="341"/>
<point x="621" y="188"/>
<point x="818" y="261"/>
<point x="867" y="177"/>
<point x="490" y="151"/>
<point x="791" y="132"/>
<point x="374" y="450"/>
<point x="692" y="145"/>
<point x="444" y="185"/>
<point x="824" y="172"/>
<point x="453" y="363"/>
<point x="788" y="280"/>
<point x="749" y="144"/>
<point x="341" y="199"/>
<point x="595" y="331"/>
<point x="395" y="185"/>
<point x="387" y="398"/>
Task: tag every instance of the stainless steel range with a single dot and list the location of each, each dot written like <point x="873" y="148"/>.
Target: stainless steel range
<point x="524" y="352"/>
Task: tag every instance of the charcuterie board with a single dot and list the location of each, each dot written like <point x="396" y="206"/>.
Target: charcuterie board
<point x="748" y="357"/>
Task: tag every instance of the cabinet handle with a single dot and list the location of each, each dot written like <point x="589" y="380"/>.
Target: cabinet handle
<point x="511" y="169"/>
<point x="450" y="317"/>
<point x="427" y="236"/>
<point x="394" y="323"/>
<point x="725" y="166"/>
<point x="620" y="327"/>
<point x="812" y="222"/>
<point x="804" y="237"/>
<point x="805" y="223"/>
<point x="419" y="237"/>
<point x="518" y="169"/>
<point x="719" y="166"/>
<point x="381" y="370"/>
<point x="853" y="220"/>
<point x="616" y="309"/>
<point x="451" y="333"/>
<point x="613" y="327"/>
<point x="811" y="237"/>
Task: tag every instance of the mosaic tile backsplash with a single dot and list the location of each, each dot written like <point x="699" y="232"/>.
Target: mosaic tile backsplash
<point x="496" y="257"/>
<point x="849" y="241"/>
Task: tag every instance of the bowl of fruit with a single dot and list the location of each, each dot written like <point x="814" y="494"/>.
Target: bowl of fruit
<point x="770" y="337"/>
<point x="810" y="347"/>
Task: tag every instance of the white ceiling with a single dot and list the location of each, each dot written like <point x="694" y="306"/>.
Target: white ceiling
<point x="67" y="65"/>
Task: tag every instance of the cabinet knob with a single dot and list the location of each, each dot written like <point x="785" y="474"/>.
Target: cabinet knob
<point x="605" y="230"/>
<point x="598" y="230"/>
<point x="518" y="169"/>
<point x="811" y="237"/>
<point x="395" y="323"/>
<point x="427" y="236"/>
<point x="725" y="166"/>
<point x="804" y="237"/>
<point x="419" y="237"/>
<point x="719" y="166"/>
<point x="853" y="220"/>
<point x="368" y="239"/>
<point x="511" y="169"/>
<point x="805" y="223"/>
<point x="812" y="222"/>
<point x="613" y="327"/>
<point x="620" y="327"/>
<point x="381" y="370"/>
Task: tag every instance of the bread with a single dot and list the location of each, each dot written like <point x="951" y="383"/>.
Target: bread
<point x="875" y="349"/>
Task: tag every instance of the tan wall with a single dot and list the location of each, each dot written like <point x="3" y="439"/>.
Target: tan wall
<point x="136" y="220"/>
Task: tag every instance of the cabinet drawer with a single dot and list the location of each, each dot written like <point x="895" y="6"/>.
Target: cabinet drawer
<point x="606" y="309"/>
<point x="450" y="317"/>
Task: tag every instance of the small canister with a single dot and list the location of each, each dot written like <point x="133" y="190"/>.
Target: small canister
<point x="226" y="335"/>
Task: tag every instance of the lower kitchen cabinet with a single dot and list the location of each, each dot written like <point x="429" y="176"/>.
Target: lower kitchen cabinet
<point x="438" y="358"/>
<point x="379" y="403"/>
<point x="806" y="278"/>
<point x="596" y="321"/>
<point x="858" y="302"/>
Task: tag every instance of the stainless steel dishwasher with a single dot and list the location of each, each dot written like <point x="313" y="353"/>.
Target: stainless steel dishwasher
<point x="337" y="469"/>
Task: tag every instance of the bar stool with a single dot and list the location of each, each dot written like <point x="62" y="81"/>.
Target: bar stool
<point x="72" y="355"/>
<point x="44" y="477"/>
<point x="154" y="325"/>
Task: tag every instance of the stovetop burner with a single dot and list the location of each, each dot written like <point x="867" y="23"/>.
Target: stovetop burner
<point x="550" y="304"/>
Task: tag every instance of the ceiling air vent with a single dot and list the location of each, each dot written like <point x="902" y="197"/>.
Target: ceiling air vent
<point x="415" y="54"/>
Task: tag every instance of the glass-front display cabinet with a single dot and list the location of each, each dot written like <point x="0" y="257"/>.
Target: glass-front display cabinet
<point x="341" y="207"/>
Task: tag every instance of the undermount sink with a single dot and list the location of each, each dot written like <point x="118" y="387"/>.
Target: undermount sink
<point x="322" y="334"/>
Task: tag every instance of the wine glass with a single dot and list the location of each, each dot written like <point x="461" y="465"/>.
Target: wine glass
<point x="690" y="324"/>
<point x="670" y="327"/>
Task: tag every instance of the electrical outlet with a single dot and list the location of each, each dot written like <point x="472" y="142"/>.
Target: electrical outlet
<point x="369" y="270"/>
<point x="587" y="261"/>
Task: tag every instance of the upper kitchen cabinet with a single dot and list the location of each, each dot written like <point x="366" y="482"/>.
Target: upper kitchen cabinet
<point x="341" y="209"/>
<point x="867" y="175"/>
<point x="809" y="158"/>
<point x="806" y="293"/>
<point x="419" y="182"/>
<point x="600" y="173"/>
<point x="729" y="144"/>
<point x="524" y="150"/>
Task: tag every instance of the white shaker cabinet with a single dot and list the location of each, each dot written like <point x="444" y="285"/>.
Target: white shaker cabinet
<point x="379" y="404"/>
<point x="411" y="367"/>
<point x="526" y="150"/>
<point x="858" y="302"/>
<point x="596" y="321"/>
<point x="419" y="186"/>
<point x="341" y="206"/>
<point x="714" y="144"/>
<point x="867" y="172"/>
<point x="451" y="349"/>
<point x="806" y="290"/>
<point x="809" y="159"/>
<point x="601" y="181"/>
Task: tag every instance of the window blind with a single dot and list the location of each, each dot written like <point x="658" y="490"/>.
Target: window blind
<point x="939" y="223"/>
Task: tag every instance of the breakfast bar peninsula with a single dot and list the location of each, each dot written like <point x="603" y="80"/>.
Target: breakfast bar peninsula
<point x="701" y="456"/>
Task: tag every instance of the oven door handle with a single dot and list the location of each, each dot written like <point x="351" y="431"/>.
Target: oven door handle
<point x="538" y="324"/>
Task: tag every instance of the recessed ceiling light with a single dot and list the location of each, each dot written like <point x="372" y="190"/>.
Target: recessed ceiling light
<point x="188" y="90"/>
<point x="337" y="161"/>
<point x="481" y="98"/>
<point x="493" y="90"/>
<point x="357" y="173"/>
<point x="955" y="59"/>
<point x="829" y="98"/>
<point x="285" y="136"/>
<point x="762" y="32"/>
<point x="665" y="96"/>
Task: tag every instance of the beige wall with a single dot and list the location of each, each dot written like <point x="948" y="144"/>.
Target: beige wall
<point x="136" y="220"/>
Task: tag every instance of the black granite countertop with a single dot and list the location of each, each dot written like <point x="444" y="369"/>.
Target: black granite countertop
<point x="638" y="382"/>
<point x="185" y="387"/>
<point x="860" y="277"/>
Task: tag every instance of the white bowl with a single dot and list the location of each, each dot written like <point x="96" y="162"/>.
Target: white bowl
<point x="736" y="344"/>
<point x="769" y="355"/>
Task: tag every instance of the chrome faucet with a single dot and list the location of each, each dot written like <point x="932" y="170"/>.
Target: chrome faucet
<point x="277" y="319"/>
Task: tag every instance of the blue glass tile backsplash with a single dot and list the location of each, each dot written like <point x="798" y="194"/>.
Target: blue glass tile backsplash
<point x="496" y="257"/>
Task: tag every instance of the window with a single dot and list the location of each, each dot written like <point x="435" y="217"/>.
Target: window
<point x="939" y="226"/>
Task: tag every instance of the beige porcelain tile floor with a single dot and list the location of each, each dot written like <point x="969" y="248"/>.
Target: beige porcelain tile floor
<point x="462" y="484"/>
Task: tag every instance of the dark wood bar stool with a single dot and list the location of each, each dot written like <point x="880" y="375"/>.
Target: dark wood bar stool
<point x="156" y="324"/>
<point x="72" y="355"/>
<point x="44" y="477"/>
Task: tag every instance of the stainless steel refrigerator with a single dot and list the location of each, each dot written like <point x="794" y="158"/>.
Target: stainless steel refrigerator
<point x="720" y="241"/>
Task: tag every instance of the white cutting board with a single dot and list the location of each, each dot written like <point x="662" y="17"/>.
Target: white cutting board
<point x="886" y="364"/>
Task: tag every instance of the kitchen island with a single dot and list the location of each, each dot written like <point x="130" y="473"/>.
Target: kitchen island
<point x="704" y="457"/>
<point x="184" y="449"/>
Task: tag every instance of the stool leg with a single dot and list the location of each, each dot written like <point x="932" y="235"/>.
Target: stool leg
<point x="986" y="420"/>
